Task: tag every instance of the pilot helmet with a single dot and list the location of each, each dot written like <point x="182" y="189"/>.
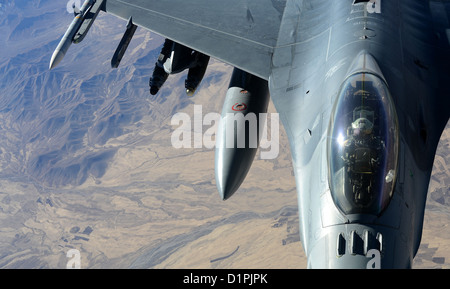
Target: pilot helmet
<point x="362" y="126"/>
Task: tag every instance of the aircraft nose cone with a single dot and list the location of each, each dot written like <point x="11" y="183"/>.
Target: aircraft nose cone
<point x="57" y="56"/>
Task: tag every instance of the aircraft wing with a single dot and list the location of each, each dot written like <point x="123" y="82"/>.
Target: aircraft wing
<point x="241" y="33"/>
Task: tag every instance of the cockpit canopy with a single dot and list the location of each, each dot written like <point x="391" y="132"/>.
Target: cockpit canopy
<point x="363" y="146"/>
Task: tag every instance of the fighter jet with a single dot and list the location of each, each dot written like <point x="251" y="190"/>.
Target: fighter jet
<point x="362" y="89"/>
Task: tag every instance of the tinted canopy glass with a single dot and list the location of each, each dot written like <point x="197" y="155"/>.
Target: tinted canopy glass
<point x="363" y="146"/>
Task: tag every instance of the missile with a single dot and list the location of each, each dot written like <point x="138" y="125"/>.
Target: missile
<point x="239" y="130"/>
<point x="88" y="19"/>
<point x="66" y="40"/>
<point x="123" y="45"/>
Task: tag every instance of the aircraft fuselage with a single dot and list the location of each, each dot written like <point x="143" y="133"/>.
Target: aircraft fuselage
<point x="305" y="85"/>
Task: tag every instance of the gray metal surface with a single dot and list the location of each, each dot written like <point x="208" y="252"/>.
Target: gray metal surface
<point x="212" y="27"/>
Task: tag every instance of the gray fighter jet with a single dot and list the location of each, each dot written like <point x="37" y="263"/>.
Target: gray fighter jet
<point x="362" y="89"/>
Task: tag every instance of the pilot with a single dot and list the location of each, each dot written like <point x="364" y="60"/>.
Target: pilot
<point x="362" y="126"/>
<point x="361" y="155"/>
<point x="362" y="140"/>
<point x="175" y="58"/>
